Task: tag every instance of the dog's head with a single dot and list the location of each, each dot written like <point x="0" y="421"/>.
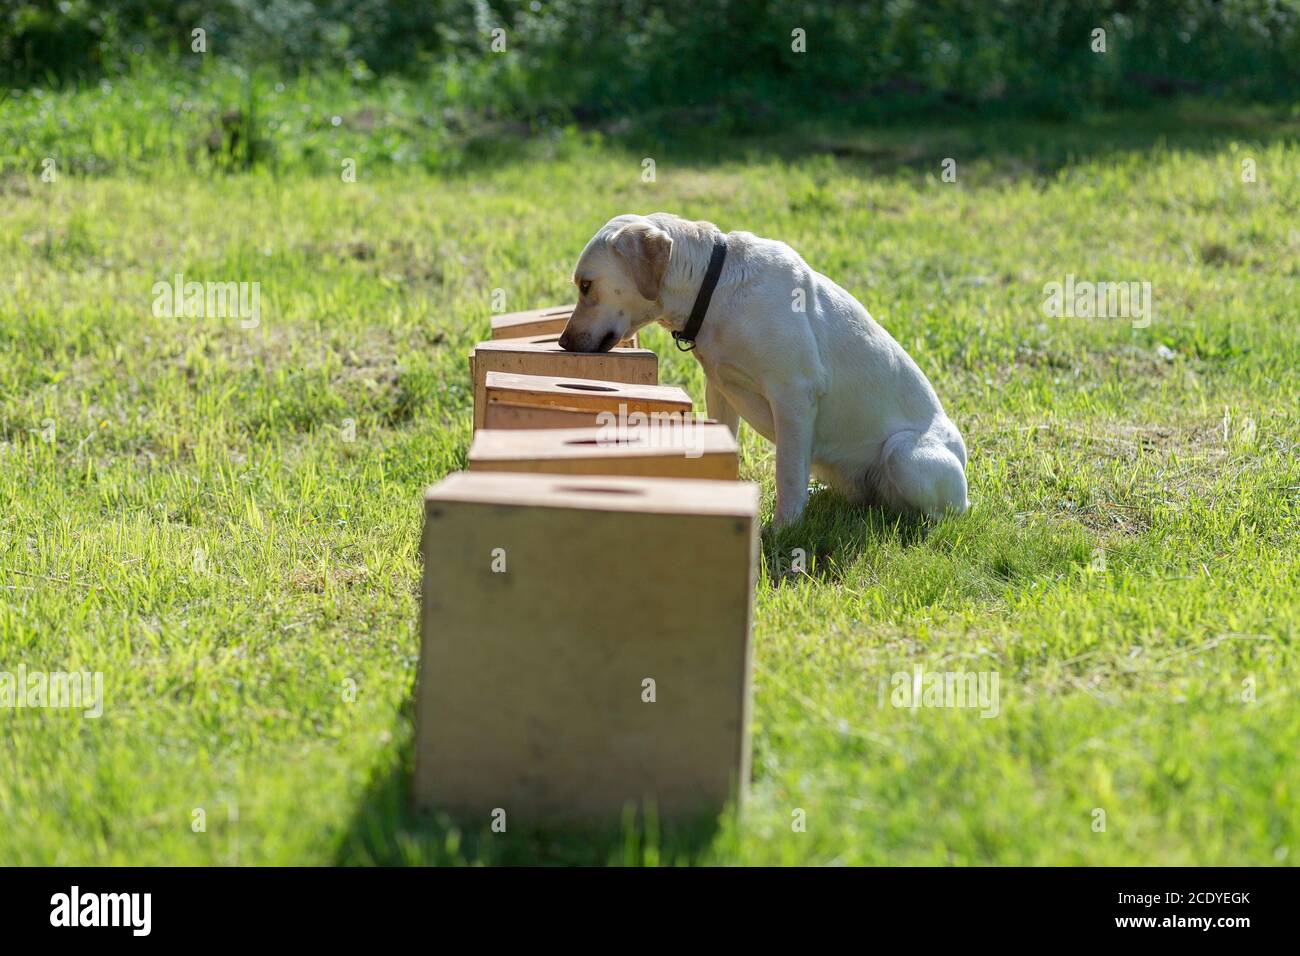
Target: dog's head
<point x="618" y="277"/>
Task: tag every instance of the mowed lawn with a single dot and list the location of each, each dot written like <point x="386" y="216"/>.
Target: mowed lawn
<point x="225" y="521"/>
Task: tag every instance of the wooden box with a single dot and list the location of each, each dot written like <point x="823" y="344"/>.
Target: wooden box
<point x="584" y="395"/>
<point x="585" y="647"/>
<point x="685" y="449"/>
<point x="521" y="415"/>
<point x="633" y="366"/>
<point x="533" y="322"/>
<point x="548" y="338"/>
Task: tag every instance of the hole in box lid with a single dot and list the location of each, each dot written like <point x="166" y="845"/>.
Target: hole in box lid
<point x="587" y="388"/>
<point x="583" y="489"/>
<point x="617" y="440"/>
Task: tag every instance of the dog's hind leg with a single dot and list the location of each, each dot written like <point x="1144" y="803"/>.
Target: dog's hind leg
<point x="922" y="472"/>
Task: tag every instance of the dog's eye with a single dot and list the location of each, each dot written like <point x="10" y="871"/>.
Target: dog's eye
<point x="584" y="286"/>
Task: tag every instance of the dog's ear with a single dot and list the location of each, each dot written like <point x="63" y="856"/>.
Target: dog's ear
<point x="644" y="249"/>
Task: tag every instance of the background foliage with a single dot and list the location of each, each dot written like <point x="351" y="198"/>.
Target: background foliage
<point x="597" y="58"/>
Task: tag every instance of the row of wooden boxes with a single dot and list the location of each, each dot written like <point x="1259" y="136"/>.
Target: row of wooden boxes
<point x="587" y="595"/>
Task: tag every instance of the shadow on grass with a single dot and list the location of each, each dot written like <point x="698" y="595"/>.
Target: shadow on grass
<point x="1019" y="146"/>
<point x="830" y="537"/>
<point x="387" y="830"/>
<point x="1015" y="146"/>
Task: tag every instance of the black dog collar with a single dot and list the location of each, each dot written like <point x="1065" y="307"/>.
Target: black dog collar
<point x="685" y="339"/>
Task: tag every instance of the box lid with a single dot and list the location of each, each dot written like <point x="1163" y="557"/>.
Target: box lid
<point x="576" y="387"/>
<point x="698" y="437"/>
<point x="530" y="344"/>
<point x="684" y="496"/>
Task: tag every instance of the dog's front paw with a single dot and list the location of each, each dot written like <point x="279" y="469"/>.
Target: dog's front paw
<point x="784" y="519"/>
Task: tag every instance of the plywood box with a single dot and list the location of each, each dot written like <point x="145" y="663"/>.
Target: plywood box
<point x="633" y="366"/>
<point x="585" y="646"/>
<point x="684" y="449"/>
<point x="539" y="323"/>
<point x="549" y="339"/>
<point x="533" y="322"/>
<point x="553" y="338"/>
<point x="627" y="402"/>
<point x="521" y="415"/>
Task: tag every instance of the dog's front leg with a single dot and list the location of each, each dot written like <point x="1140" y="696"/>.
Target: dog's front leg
<point x="719" y="408"/>
<point x="793" y="422"/>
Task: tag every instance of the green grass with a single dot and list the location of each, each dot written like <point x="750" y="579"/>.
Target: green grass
<point x="180" y="510"/>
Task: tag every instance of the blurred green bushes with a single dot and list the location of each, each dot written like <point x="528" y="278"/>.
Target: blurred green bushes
<point x="733" y="60"/>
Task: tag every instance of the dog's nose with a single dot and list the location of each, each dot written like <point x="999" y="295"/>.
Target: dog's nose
<point x="567" y="341"/>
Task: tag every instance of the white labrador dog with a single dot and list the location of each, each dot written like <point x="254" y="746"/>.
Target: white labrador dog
<point x="824" y="382"/>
